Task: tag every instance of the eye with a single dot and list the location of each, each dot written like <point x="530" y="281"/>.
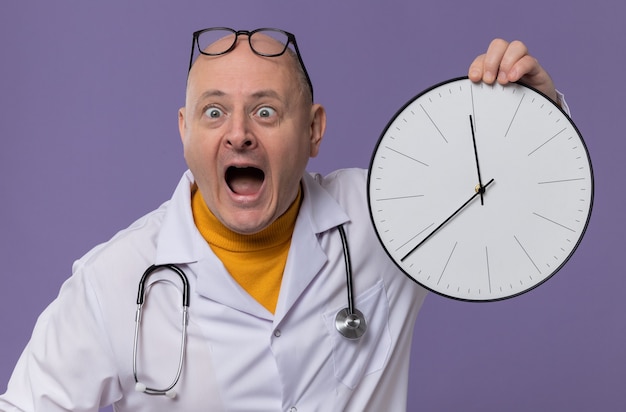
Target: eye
<point x="266" y="112"/>
<point x="213" y="113"/>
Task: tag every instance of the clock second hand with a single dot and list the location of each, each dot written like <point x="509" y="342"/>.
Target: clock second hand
<point x="479" y="191"/>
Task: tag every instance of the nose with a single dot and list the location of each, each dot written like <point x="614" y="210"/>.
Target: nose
<point x="239" y="135"/>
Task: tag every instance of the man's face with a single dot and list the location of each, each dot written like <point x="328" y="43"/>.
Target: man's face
<point x="248" y="133"/>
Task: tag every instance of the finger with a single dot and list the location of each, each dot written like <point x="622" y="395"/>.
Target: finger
<point x="527" y="66"/>
<point x="515" y="62"/>
<point x="530" y="72"/>
<point x="510" y="62"/>
<point x="493" y="59"/>
<point x="487" y="66"/>
<point x="475" y="72"/>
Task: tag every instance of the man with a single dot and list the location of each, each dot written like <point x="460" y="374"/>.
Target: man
<point x="260" y="244"/>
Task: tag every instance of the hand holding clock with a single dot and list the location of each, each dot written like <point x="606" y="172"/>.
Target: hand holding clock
<point x="528" y="226"/>
<point x="506" y="62"/>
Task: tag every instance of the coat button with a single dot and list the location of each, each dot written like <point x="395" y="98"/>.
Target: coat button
<point x="277" y="333"/>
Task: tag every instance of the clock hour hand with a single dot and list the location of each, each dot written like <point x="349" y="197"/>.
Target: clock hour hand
<point x="481" y="188"/>
<point x="479" y="191"/>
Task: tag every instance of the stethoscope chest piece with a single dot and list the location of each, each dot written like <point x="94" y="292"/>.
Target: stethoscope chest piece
<point x="350" y="325"/>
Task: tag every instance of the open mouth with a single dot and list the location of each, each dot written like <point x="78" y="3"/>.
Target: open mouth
<point x="244" y="180"/>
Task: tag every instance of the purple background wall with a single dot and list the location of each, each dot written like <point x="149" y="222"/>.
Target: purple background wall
<point x="89" y="142"/>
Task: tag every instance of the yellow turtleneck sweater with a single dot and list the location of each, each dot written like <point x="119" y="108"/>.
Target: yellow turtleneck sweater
<point x="255" y="261"/>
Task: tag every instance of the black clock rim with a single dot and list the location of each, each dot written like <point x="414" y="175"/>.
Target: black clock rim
<point x="557" y="269"/>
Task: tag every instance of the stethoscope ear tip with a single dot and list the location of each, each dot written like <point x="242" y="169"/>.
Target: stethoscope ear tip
<point x="171" y="394"/>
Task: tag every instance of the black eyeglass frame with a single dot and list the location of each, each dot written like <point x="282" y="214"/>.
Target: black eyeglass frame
<point x="291" y="38"/>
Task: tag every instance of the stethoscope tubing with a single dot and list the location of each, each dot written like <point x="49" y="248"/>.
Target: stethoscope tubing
<point x="168" y="391"/>
<point x="348" y="263"/>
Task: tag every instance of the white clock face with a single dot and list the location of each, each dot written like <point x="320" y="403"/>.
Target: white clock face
<point x="480" y="192"/>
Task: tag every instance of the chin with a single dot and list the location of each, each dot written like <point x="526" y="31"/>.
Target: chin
<point x="247" y="226"/>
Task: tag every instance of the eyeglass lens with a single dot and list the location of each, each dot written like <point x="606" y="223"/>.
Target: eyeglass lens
<point x="219" y="41"/>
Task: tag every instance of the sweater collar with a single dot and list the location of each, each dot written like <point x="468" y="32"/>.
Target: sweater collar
<point x="217" y="234"/>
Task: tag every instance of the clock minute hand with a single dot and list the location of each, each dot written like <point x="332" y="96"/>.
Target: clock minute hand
<point x="481" y="188"/>
<point x="479" y="191"/>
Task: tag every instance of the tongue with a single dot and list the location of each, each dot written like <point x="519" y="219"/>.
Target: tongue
<point x="246" y="181"/>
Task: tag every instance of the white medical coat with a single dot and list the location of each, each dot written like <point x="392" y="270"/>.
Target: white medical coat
<point x="239" y="356"/>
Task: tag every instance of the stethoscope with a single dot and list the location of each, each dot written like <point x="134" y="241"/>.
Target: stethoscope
<point x="349" y="322"/>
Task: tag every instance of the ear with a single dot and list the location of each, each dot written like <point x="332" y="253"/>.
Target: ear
<point x="182" y="125"/>
<point x="318" y="127"/>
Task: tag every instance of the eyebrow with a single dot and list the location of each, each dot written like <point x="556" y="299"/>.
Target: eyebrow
<point x="211" y="93"/>
<point x="273" y="94"/>
<point x="266" y="93"/>
<point x="270" y="93"/>
<point x="259" y="94"/>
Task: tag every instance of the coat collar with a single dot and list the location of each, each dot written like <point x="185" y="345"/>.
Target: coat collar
<point x="180" y="242"/>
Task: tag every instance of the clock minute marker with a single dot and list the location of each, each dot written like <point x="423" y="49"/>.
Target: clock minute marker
<point x="514" y="115"/>
<point x="561" y="181"/>
<point x="552" y="221"/>
<point x="383" y="199"/>
<point x="447" y="261"/>
<point x="433" y="122"/>
<point x="419" y="233"/>
<point x="405" y="155"/>
<point x="547" y="141"/>
<point x="526" y="253"/>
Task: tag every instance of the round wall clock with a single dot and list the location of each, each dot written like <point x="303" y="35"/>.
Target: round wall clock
<point x="480" y="192"/>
